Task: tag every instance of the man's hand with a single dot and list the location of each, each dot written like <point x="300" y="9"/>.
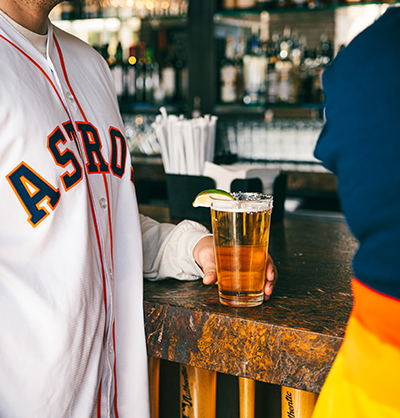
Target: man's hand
<point x="204" y="256"/>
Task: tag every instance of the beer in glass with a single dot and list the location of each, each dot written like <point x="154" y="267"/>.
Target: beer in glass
<point x="241" y="236"/>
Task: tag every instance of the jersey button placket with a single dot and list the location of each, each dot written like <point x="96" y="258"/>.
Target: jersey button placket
<point x="103" y="203"/>
<point x="70" y="97"/>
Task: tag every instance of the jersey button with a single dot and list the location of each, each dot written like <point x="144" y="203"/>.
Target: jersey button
<point x="69" y="96"/>
<point x="103" y="202"/>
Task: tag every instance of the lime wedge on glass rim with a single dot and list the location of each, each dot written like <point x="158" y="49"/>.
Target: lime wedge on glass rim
<point x="203" y="199"/>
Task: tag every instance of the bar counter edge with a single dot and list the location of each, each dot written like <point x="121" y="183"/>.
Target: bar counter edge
<point x="291" y="340"/>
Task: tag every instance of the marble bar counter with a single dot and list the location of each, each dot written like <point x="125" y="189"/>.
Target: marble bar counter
<point x="290" y="340"/>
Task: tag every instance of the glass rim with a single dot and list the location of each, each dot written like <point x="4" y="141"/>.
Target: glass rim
<point x="264" y="202"/>
<point x="261" y="197"/>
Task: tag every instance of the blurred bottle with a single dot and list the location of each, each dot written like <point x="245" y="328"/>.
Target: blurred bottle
<point x="229" y="4"/>
<point x="254" y="68"/>
<point x="140" y="72"/>
<point x="158" y="94"/>
<point x="150" y="73"/>
<point x="90" y="9"/>
<point x="140" y="9"/>
<point x="174" y="8"/>
<point x="313" y="4"/>
<point x="125" y="10"/>
<point x="169" y="76"/>
<point x="273" y="49"/>
<point x="288" y="86"/>
<point x="312" y="65"/>
<point x="108" y="9"/>
<point x="245" y="4"/>
<point x="228" y="73"/>
<point x="196" y="112"/>
<point x="69" y="10"/>
<point x="240" y="51"/>
<point x="266" y="4"/>
<point x="272" y="81"/>
<point x="183" y="7"/>
<point x="182" y="75"/>
<point x="299" y="3"/>
<point x="130" y="76"/>
<point x="103" y="51"/>
<point x="325" y="50"/>
<point x="324" y="57"/>
<point x="118" y="72"/>
<point x="308" y="75"/>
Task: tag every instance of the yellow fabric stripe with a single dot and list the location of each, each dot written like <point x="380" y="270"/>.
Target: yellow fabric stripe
<point x="364" y="380"/>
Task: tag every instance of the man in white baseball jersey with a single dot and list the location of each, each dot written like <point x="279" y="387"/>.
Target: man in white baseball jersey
<point x="72" y="338"/>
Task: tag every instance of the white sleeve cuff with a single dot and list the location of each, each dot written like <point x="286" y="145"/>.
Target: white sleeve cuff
<point x="175" y="257"/>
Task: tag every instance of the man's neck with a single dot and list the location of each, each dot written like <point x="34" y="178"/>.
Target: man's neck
<point x="27" y="14"/>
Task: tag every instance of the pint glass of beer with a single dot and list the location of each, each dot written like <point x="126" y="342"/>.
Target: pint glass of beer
<point x="241" y="235"/>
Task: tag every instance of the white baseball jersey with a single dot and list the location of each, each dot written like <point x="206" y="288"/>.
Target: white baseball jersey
<point x="72" y="340"/>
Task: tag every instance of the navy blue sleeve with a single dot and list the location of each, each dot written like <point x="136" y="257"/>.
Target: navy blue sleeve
<point x="360" y="144"/>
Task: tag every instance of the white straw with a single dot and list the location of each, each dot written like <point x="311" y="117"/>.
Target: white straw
<point x="185" y="144"/>
<point x="163" y="144"/>
<point x="191" y="154"/>
<point x="211" y="139"/>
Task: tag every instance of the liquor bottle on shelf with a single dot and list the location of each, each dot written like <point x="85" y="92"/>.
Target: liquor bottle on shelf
<point x="286" y="4"/>
<point x="108" y="9"/>
<point x="130" y="76"/>
<point x="272" y="81"/>
<point x="140" y="73"/>
<point x="254" y="69"/>
<point x="228" y="73"/>
<point x="118" y="71"/>
<point x="139" y="80"/>
<point x="313" y="4"/>
<point x="158" y="94"/>
<point x="240" y="51"/>
<point x="140" y="10"/>
<point x="245" y="4"/>
<point x="182" y="76"/>
<point x="123" y="11"/>
<point x="168" y="76"/>
<point x="229" y="4"/>
<point x="265" y="4"/>
<point x="90" y="9"/>
<point x="184" y="7"/>
<point x="299" y="3"/>
<point x="148" y="75"/>
<point x="69" y="10"/>
<point x="152" y="78"/>
<point x="174" y="8"/>
<point x="307" y="76"/>
<point x="196" y="113"/>
<point x="288" y="86"/>
<point x="325" y="50"/>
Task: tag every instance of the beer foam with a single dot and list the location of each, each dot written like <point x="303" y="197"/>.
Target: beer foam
<point x="249" y="202"/>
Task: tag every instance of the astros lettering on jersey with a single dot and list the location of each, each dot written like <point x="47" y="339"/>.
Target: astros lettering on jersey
<point x="70" y="239"/>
